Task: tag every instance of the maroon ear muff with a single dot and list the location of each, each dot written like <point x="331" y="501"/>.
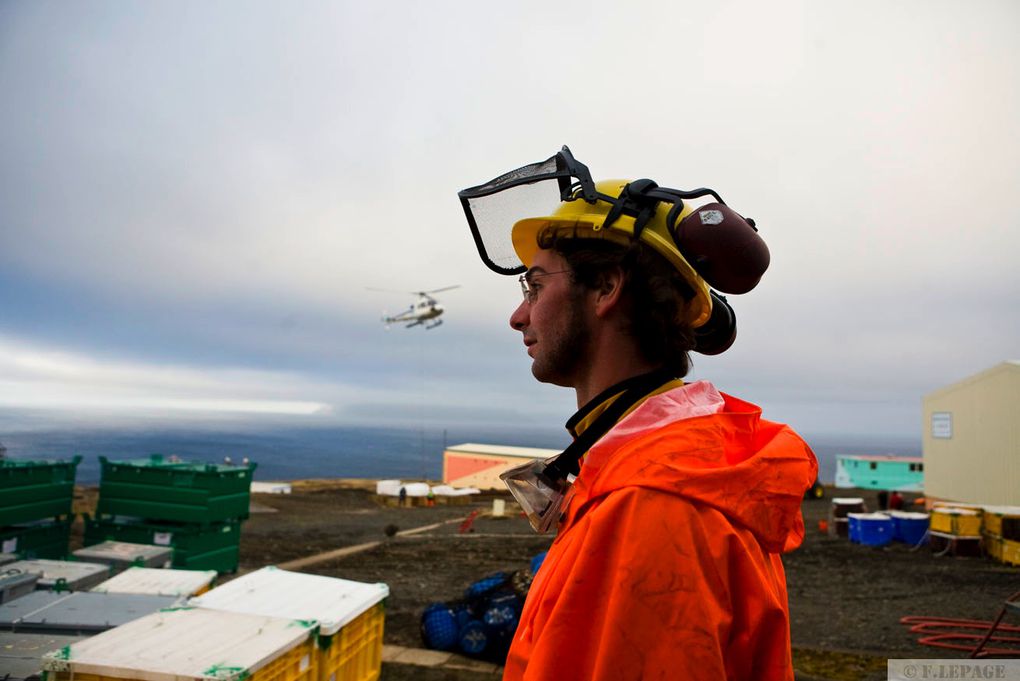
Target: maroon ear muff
<point x="717" y="334"/>
<point x="723" y="248"/>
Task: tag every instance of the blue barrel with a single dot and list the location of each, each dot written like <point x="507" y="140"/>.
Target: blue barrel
<point x="875" y="529"/>
<point x="854" y="527"/>
<point x="909" y="528"/>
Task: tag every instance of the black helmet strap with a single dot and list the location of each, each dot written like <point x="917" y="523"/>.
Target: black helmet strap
<point x="641" y="198"/>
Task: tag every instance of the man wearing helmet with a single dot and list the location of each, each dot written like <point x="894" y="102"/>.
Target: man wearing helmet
<point x="674" y="500"/>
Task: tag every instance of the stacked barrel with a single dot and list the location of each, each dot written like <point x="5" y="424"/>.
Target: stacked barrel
<point x="839" y="514"/>
<point x="1001" y="533"/>
<point x="35" y="506"/>
<point x="195" y="508"/>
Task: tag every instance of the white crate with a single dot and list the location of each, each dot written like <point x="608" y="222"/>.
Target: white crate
<point x="158" y="582"/>
<point x="270" y="591"/>
<point x="185" y="644"/>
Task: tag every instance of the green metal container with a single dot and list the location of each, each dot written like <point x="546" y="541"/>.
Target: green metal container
<point x="214" y="546"/>
<point x="46" y="539"/>
<point x="33" y="490"/>
<point x="164" y="489"/>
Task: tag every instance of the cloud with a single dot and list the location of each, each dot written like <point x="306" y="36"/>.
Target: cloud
<point x="34" y="378"/>
<point x="212" y="189"/>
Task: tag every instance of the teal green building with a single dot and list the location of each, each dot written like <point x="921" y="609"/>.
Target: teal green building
<point x="902" y="473"/>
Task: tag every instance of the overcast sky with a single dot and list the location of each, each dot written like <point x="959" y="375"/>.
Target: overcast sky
<point x="195" y="196"/>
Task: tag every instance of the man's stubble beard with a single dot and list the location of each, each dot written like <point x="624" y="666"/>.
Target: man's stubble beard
<point x="565" y="355"/>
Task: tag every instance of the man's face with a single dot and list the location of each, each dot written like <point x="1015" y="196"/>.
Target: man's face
<point x="555" y="326"/>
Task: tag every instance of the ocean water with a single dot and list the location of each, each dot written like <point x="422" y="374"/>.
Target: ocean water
<point x="290" y="453"/>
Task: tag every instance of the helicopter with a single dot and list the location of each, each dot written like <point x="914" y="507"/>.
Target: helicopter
<point x="425" y="312"/>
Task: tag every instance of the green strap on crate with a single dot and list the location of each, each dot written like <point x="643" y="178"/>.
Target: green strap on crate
<point x="227" y="673"/>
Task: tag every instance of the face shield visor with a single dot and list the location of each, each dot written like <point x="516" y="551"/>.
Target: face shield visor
<point x="535" y="189"/>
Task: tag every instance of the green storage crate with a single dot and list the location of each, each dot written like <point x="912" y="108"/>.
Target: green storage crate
<point x="46" y="539"/>
<point x="179" y="491"/>
<point x="33" y="490"/>
<point x="215" y="546"/>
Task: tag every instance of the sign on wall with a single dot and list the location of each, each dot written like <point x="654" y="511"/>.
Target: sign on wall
<point x="942" y="424"/>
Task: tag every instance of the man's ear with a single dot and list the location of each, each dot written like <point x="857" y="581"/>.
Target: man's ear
<point x="609" y="293"/>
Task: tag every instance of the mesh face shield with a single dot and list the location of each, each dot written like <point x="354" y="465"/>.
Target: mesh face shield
<point x="535" y="189"/>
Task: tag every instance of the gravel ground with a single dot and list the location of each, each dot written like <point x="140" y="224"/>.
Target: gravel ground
<point x="845" y="599"/>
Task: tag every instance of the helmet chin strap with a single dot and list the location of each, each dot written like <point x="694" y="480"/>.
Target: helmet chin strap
<point x="634" y="389"/>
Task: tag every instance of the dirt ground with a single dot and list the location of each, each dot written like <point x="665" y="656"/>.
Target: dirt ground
<point x="845" y="599"/>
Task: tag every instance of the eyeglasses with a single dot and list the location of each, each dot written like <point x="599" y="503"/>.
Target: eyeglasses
<point x="528" y="287"/>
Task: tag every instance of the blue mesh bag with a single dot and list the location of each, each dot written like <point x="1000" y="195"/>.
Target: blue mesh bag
<point x="473" y="638"/>
<point x="439" y="628"/>
<point x="486" y="585"/>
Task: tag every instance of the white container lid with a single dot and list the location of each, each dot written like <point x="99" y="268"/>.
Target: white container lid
<point x="270" y="487"/>
<point x="50" y="571"/>
<point x="123" y="551"/>
<point x="388" y="487"/>
<point x="908" y="515"/>
<point x="847" y="501"/>
<point x="868" y="516"/>
<point x="157" y="582"/>
<point x="273" y="592"/>
<point x="952" y="510"/>
<point x="447" y="491"/>
<point x="943" y="505"/>
<point x="1003" y="510"/>
<point x="417" y="489"/>
<point x="183" y="645"/>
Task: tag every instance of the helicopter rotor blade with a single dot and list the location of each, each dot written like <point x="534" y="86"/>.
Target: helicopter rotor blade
<point x="423" y="294"/>
<point x="438" y="290"/>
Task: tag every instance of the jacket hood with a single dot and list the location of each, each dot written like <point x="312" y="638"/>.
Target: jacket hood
<point x="712" y="449"/>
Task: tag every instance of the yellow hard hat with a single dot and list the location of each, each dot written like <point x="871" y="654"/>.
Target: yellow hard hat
<point x="583" y="220"/>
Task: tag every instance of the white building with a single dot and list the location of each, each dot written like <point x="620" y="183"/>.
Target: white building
<point x="971" y="436"/>
<point x="479" y="466"/>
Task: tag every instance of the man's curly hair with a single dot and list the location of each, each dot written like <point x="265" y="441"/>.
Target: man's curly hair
<point x="656" y="295"/>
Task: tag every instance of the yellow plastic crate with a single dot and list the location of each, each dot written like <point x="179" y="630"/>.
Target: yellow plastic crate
<point x="1010" y="552"/>
<point x="960" y="522"/>
<point x="993" y="523"/>
<point x="188" y="644"/>
<point x="994" y="515"/>
<point x="349" y="615"/>
<point x="298" y="664"/>
<point x="355" y="652"/>
<point x="993" y="546"/>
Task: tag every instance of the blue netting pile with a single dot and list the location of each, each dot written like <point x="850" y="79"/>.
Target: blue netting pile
<point x="482" y="624"/>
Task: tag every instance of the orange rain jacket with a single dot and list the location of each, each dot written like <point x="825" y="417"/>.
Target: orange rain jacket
<point x="666" y="563"/>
